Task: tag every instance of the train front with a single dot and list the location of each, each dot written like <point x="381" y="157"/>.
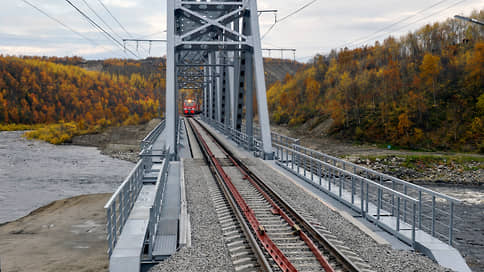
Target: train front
<point x="189" y="107"/>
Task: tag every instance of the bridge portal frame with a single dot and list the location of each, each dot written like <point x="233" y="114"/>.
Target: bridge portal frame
<point x="218" y="42"/>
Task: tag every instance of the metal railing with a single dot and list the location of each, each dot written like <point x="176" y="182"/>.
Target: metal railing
<point x="369" y="198"/>
<point x="155" y="210"/>
<point x="121" y="202"/>
<point x="435" y="211"/>
<point x="250" y="143"/>
<point x="153" y="135"/>
<point x="276" y="137"/>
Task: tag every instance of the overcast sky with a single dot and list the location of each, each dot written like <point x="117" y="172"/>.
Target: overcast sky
<point x="324" y="25"/>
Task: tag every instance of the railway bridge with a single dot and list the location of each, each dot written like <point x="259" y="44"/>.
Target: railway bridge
<point x="267" y="201"/>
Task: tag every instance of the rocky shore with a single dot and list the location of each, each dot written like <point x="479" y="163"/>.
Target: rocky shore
<point x="420" y="171"/>
<point x="414" y="166"/>
<point x="118" y="142"/>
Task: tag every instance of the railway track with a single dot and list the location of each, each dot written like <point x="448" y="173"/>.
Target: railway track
<point x="268" y="234"/>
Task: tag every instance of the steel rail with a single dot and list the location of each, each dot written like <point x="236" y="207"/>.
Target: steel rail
<point x="265" y="266"/>
<point x="286" y="212"/>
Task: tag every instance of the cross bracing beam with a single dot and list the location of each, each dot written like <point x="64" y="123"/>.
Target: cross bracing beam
<point x="215" y="46"/>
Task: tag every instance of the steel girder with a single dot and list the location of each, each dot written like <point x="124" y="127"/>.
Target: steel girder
<point x="214" y="46"/>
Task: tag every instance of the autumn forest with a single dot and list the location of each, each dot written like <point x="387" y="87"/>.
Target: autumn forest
<point x="422" y="91"/>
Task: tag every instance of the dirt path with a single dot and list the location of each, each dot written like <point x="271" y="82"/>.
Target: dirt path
<point x="66" y="235"/>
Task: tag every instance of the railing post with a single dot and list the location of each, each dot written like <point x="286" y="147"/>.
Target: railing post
<point x="320" y="166"/>
<point x="405" y="204"/>
<point x="121" y="211"/>
<point x="393" y="197"/>
<point x="398" y="213"/>
<point x="109" y="229"/>
<point x="311" y="168"/>
<point x="362" y="189"/>
<point x="413" y="224"/>
<point x="340" y="191"/>
<point x="433" y="215"/>
<point x="367" y="200"/>
<point x="352" y="190"/>
<point x="451" y="223"/>
<point x="378" y="204"/>
<point x="419" y="209"/>
<point x="330" y="179"/>
<point x="115" y="236"/>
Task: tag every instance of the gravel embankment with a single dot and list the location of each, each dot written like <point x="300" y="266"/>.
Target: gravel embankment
<point x="208" y="251"/>
<point x="381" y="257"/>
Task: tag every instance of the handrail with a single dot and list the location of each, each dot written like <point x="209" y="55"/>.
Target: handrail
<point x="150" y="138"/>
<point x="126" y="181"/>
<point x="155" y="209"/>
<point x="349" y="173"/>
<point x="418" y="187"/>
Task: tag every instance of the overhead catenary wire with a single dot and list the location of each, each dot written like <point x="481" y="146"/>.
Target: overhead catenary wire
<point x="114" y="17"/>
<point x="418" y="20"/>
<point x="393" y="24"/>
<point x="101" y="19"/>
<point x="101" y="29"/>
<point x="60" y="22"/>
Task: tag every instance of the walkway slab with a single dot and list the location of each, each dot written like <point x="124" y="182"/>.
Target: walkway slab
<point x="126" y="254"/>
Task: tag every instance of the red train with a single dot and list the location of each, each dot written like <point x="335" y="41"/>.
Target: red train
<point x="190" y="107"/>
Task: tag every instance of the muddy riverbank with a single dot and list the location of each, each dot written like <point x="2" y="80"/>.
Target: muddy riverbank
<point x="118" y="142"/>
<point x="65" y="235"/>
<point x="35" y="173"/>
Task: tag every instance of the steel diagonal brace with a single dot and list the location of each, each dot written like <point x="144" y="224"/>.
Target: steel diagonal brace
<point x="213" y="22"/>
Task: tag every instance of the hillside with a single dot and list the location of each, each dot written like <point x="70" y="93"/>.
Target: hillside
<point x="73" y="96"/>
<point x="424" y="90"/>
<point x="71" y="99"/>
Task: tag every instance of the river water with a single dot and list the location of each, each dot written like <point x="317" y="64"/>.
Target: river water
<point x="34" y="173"/>
<point x="469" y="222"/>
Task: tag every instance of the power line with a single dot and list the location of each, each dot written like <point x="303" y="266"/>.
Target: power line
<point x="393" y="24"/>
<point x="287" y="16"/>
<point x="297" y="10"/>
<point x="419" y="20"/>
<point x="59" y="22"/>
<point x="100" y="18"/>
<point x="101" y="29"/>
<point x="102" y="4"/>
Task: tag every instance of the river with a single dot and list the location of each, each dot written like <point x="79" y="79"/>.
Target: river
<point x="34" y="173"/>
<point x="469" y="222"/>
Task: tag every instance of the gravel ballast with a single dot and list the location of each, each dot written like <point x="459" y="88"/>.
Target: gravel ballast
<point x="380" y="257"/>
<point x="208" y="251"/>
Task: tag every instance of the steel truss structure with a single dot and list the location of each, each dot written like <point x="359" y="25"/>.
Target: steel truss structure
<point x="215" y="46"/>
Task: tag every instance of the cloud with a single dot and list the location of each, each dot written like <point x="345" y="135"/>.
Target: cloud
<point x="317" y="29"/>
<point x="121" y="3"/>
